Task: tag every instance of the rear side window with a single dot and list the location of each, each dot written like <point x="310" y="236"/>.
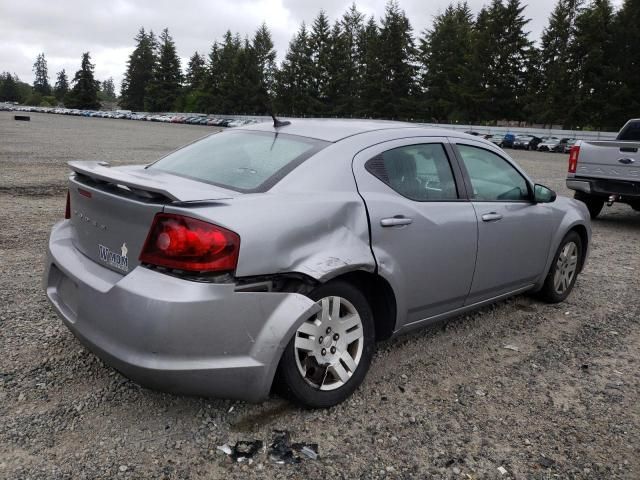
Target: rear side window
<point x="240" y="160"/>
<point x="419" y="172"/>
<point x="631" y="132"/>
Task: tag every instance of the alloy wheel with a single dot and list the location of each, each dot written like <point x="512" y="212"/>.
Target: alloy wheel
<point x="328" y="346"/>
<point x="566" y="267"/>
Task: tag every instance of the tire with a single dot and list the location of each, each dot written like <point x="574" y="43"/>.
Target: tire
<point x="319" y="386"/>
<point x="564" y="270"/>
<point x="594" y="204"/>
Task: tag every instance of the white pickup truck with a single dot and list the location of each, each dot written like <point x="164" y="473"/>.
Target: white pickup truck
<point x="607" y="171"/>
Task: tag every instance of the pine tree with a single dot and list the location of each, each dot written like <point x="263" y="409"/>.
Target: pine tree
<point x="558" y="87"/>
<point x="9" y="88"/>
<point x="227" y="74"/>
<point x="248" y="94"/>
<point x="345" y="65"/>
<point x="207" y="97"/>
<point x="62" y="85"/>
<point x="163" y="89"/>
<point x="501" y="61"/>
<point x="265" y="57"/>
<point x="627" y="61"/>
<point x="84" y="94"/>
<point x="196" y="71"/>
<point x="140" y="67"/>
<point x="369" y="43"/>
<point x="483" y="66"/>
<point x="41" y="80"/>
<point x="320" y="47"/>
<point x="294" y="76"/>
<point x="593" y="53"/>
<point x="397" y="57"/>
<point x="515" y="57"/>
<point x="446" y="52"/>
<point x="108" y="90"/>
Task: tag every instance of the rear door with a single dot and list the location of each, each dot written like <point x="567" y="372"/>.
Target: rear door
<point x="423" y="230"/>
<point x="514" y="234"/>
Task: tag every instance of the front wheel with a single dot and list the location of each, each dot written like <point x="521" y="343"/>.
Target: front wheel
<point x="594" y="204"/>
<point x="330" y="353"/>
<point x="564" y="269"/>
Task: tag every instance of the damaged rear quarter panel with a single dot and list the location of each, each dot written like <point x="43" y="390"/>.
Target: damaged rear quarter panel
<point x="312" y="222"/>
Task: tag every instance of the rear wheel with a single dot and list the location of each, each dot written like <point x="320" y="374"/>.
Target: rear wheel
<point x="594" y="204"/>
<point x="564" y="270"/>
<point x="330" y="353"/>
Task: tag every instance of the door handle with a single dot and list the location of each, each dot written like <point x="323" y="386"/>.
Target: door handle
<point x="491" y="217"/>
<point x="626" y="161"/>
<point x="396" y="221"/>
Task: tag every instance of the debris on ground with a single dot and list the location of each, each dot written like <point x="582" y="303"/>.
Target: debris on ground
<point x="511" y="347"/>
<point x="502" y="470"/>
<point x="282" y="450"/>
<point x="242" y="450"/>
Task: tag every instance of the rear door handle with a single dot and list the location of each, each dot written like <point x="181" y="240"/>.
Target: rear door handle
<point x="491" y="217"/>
<point x="396" y="221"/>
<point x="626" y="161"/>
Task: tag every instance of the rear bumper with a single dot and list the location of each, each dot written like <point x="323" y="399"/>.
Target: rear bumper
<point x="629" y="190"/>
<point x="172" y="334"/>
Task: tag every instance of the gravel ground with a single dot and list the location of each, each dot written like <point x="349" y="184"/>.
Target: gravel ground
<point x="446" y="402"/>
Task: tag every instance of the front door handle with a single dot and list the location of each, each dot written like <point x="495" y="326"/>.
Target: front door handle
<point x="491" y="217"/>
<point x="626" y="161"/>
<point x="396" y="221"/>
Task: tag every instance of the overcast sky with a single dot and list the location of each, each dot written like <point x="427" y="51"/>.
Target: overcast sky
<point x="64" y="29"/>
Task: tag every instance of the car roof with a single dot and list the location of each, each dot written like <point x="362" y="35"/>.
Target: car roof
<point x="333" y="130"/>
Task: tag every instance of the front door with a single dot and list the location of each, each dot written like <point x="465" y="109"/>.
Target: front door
<point x="514" y="234"/>
<point x="423" y="230"/>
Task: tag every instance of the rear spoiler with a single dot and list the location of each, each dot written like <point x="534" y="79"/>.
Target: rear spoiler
<point x="149" y="184"/>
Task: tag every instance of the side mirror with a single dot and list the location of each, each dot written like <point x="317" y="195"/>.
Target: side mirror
<point x="542" y="194"/>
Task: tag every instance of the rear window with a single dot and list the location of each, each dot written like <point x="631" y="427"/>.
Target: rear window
<point x="240" y="160"/>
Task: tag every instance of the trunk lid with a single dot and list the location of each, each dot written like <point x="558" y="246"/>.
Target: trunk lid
<point x="617" y="160"/>
<point x="112" y="208"/>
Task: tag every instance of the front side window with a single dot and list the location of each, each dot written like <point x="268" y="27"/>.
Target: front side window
<point x="492" y="177"/>
<point x="419" y="172"/>
<point x="240" y="160"/>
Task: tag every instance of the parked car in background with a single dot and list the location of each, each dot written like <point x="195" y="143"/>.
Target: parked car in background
<point x="567" y="143"/>
<point x="496" y="139"/>
<point x="607" y="171"/>
<point x="526" y="142"/>
<point x="507" y="140"/>
<point x="228" y="260"/>
<point x="548" y="144"/>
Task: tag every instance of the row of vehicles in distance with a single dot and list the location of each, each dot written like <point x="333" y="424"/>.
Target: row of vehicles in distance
<point x="189" y="118"/>
<point x="530" y="142"/>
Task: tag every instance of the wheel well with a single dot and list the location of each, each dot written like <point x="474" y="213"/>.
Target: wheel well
<point x="380" y="297"/>
<point x="584" y="238"/>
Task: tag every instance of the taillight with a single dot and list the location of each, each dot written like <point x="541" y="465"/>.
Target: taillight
<point x="186" y="243"/>
<point x="573" y="158"/>
<point x="67" y="209"/>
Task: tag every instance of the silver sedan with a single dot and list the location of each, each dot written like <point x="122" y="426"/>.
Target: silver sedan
<point x="292" y="249"/>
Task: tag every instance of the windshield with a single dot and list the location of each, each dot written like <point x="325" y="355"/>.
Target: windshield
<point x="240" y="160"/>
